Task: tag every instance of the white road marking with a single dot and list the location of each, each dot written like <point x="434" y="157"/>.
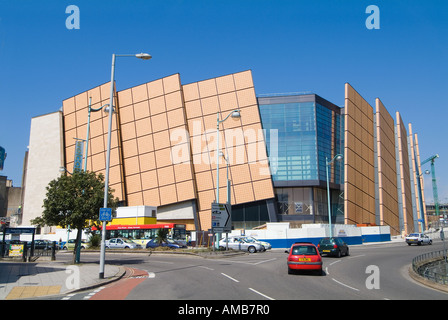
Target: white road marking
<point x="204" y="267"/>
<point x="343" y="284"/>
<point x="352" y="257"/>
<point x="261" y="294"/>
<point x="225" y="275"/>
<point x="263" y="261"/>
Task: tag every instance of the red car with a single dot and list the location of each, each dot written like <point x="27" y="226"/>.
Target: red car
<point x="304" y="256"/>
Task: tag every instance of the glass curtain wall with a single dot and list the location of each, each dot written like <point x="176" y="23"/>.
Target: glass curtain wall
<point x="296" y="128"/>
<point x="308" y="132"/>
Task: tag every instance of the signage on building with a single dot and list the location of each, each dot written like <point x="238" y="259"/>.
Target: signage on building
<point x="221" y="217"/>
<point x="19" y="230"/>
<point x="79" y="153"/>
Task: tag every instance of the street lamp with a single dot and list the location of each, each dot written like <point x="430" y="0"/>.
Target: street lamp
<point x="236" y="115"/>
<point x="90" y="110"/>
<point x="336" y="158"/>
<point x="143" y="56"/>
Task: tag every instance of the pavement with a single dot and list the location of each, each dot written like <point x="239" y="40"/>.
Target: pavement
<point x="21" y="280"/>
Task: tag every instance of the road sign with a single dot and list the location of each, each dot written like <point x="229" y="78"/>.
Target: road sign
<point x="105" y="214"/>
<point x="221" y="217"/>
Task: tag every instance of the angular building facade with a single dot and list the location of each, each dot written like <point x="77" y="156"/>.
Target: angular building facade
<point x="165" y="149"/>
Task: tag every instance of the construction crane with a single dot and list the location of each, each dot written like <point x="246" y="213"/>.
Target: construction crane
<point x="434" y="184"/>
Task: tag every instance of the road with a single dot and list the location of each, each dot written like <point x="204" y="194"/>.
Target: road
<point x="371" y="272"/>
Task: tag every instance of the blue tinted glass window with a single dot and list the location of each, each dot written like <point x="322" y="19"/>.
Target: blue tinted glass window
<point x="308" y="133"/>
<point x="295" y="124"/>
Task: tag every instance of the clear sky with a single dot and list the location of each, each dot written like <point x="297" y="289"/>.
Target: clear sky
<point x="290" y="46"/>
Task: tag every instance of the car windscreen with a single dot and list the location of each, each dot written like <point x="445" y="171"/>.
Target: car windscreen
<point x="306" y="250"/>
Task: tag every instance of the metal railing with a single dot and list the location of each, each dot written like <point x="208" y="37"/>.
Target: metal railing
<point x="432" y="266"/>
<point x="24" y="251"/>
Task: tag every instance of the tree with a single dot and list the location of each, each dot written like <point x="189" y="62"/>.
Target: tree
<point x="74" y="200"/>
<point x="161" y="236"/>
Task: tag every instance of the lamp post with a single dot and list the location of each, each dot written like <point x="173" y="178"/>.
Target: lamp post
<point x="236" y="115"/>
<point x="336" y="158"/>
<point x="228" y="193"/>
<point x="90" y="110"/>
<point x="143" y="56"/>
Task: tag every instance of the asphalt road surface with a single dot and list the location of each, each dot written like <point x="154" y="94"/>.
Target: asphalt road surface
<point x="371" y="272"/>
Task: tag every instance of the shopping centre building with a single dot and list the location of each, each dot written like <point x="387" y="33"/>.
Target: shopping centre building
<point x="276" y="154"/>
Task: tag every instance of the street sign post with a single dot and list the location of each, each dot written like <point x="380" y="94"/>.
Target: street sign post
<point x="221" y="217"/>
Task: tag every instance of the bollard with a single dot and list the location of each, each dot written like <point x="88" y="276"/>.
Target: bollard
<point x="25" y="251"/>
<point x="53" y="251"/>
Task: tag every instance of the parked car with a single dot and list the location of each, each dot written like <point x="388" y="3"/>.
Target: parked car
<point x="266" y="245"/>
<point x="43" y="244"/>
<point x="165" y="243"/>
<point x="304" y="256"/>
<point x="333" y="246"/>
<point x="240" y="243"/>
<point x="70" y="244"/>
<point x="418" y="239"/>
<point x="121" y="243"/>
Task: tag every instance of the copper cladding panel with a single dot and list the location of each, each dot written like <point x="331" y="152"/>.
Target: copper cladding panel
<point x="249" y="175"/>
<point x="75" y="110"/>
<point x="405" y="175"/>
<point x="387" y="173"/>
<point x="359" y="179"/>
<point x="149" y="112"/>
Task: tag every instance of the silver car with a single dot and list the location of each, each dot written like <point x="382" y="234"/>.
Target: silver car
<point x="121" y="243"/>
<point x="266" y="245"/>
<point x="240" y="243"/>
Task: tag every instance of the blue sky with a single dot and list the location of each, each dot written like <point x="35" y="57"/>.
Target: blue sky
<point x="290" y="46"/>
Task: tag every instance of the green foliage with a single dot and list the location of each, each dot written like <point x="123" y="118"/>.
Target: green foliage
<point x="161" y="235"/>
<point x="74" y="200"/>
<point x="95" y="240"/>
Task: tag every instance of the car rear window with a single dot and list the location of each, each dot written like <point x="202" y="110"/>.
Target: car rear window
<point x="327" y="241"/>
<point x="309" y="250"/>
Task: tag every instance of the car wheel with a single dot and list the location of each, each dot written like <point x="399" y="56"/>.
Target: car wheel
<point x="419" y="243"/>
<point x="252" y="249"/>
<point x="430" y="242"/>
<point x="290" y="271"/>
<point x="347" y="253"/>
<point x="409" y="244"/>
<point x="338" y="254"/>
<point x="64" y="248"/>
<point x="127" y="247"/>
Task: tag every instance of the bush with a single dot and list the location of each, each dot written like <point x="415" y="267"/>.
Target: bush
<point x="95" y="240"/>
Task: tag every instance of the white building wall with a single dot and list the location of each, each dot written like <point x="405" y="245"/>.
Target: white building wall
<point x="45" y="157"/>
